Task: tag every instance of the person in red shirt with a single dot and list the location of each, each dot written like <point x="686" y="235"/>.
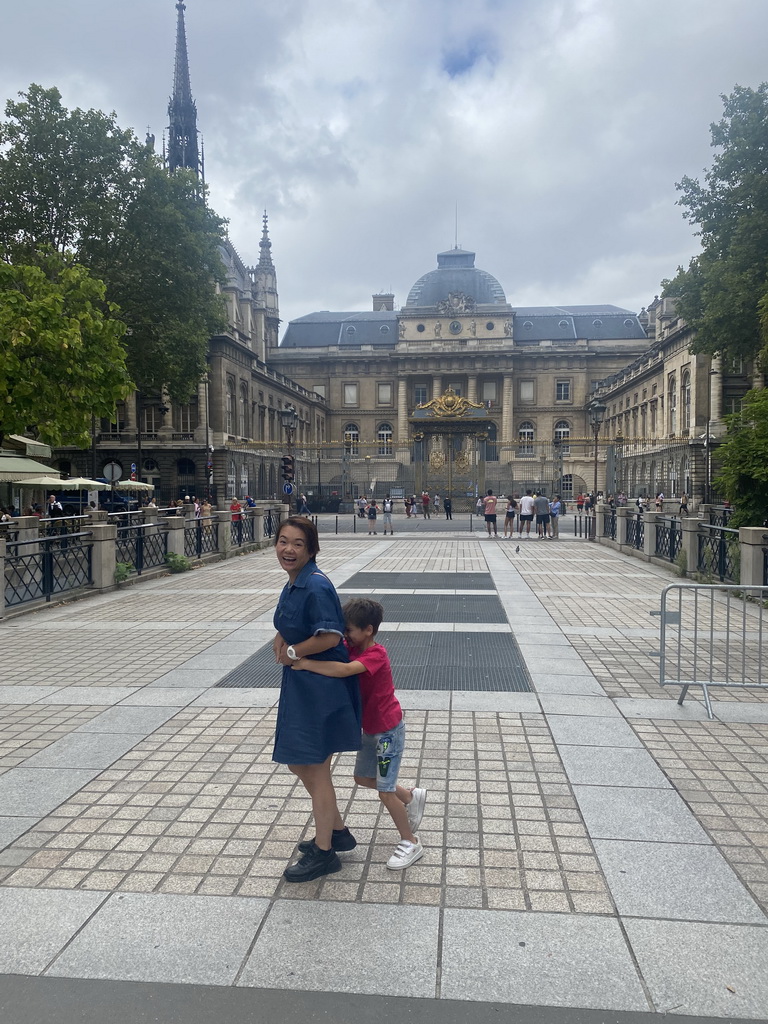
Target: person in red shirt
<point x="378" y="760"/>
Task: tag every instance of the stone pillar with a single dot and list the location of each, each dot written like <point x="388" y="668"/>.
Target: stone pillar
<point x="130" y="413"/>
<point x="601" y="511"/>
<point x="175" y="528"/>
<point x="2" y="576"/>
<point x="226" y="547"/>
<point x="402" y="410"/>
<point x="753" y="543"/>
<point x="622" y="515"/>
<point x="98" y="515"/>
<point x="104" y="556"/>
<point x="716" y="391"/>
<point x="472" y="387"/>
<point x="437" y="386"/>
<point x="690" y="542"/>
<point x="258" y="525"/>
<point x="649" y="534"/>
<point x="507" y="411"/>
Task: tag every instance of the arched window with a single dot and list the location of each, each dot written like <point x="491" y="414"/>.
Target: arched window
<point x="525" y="435"/>
<point x="563" y="435"/>
<point x="351" y="439"/>
<point x="672" y="404"/>
<point x="231" y="411"/>
<point x="242" y="420"/>
<point x="685" y="389"/>
<point x="384" y="436"/>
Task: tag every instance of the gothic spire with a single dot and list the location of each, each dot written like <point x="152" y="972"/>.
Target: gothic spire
<point x="265" y="259"/>
<point x="182" y="112"/>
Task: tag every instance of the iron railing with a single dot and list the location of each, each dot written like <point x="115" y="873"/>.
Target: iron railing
<point x="635" y="532"/>
<point x="713" y="636"/>
<point x="719" y="515"/>
<point x="609" y="524"/>
<point x="585" y="526"/>
<point x="718" y="553"/>
<point x="142" y="546"/>
<point x="271" y="523"/>
<point x="669" y="539"/>
<point x="38" y="569"/>
<point x="243" y="531"/>
<point x="201" y="537"/>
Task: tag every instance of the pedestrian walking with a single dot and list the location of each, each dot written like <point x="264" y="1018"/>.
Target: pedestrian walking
<point x="383" y="743"/>
<point x="448" y="506"/>
<point x="317" y="716"/>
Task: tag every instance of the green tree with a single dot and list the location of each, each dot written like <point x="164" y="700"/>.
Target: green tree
<point x="724" y="292"/>
<point x="76" y="183"/>
<point x="743" y="475"/>
<point x="61" y="358"/>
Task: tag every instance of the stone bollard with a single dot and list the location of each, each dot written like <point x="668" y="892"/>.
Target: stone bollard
<point x="104" y="555"/>
<point x="258" y="525"/>
<point x="622" y="515"/>
<point x="753" y="543"/>
<point x="601" y="511"/>
<point x="226" y="548"/>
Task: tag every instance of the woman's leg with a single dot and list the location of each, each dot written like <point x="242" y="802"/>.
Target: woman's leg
<point x="316" y="779"/>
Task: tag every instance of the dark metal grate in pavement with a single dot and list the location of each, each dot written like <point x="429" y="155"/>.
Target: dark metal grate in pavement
<point x="438" y="607"/>
<point x="420" y="661"/>
<point x="420" y="581"/>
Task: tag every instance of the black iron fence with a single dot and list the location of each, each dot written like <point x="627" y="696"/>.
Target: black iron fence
<point x="243" y="530"/>
<point x="141" y="546"/>
<point x="635" y="532"/>
<point x="609" y="524"/>
<point x="718" y="553"/>
<point x="585" y="526"/>
<point x="39" y="569"/>
<point x="719" y="515"/>
<point x="201" y="537"/>
<point x="669" y="539"/>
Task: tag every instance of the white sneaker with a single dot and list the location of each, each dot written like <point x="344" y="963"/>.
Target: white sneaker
<point x="406" y="853"/>
<point x="415" y="809"/>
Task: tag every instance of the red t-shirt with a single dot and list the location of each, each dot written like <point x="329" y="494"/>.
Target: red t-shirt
<point x="381" y="708"/>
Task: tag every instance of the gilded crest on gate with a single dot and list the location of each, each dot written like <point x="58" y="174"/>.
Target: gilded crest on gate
<point x="436" y="460"/>
<point x="450" y="404"/>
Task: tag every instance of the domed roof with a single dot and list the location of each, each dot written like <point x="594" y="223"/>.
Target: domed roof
<point x="456" y="274"/>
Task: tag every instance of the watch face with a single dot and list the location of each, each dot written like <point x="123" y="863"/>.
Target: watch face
<point x="455" y="327"/>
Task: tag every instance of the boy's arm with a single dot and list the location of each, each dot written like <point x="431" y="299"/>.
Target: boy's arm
<point x="335" y="669"/>
<point x="312" y="645"/>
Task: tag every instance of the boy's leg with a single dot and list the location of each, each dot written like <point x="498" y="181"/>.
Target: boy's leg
<point x="398" y="814"/>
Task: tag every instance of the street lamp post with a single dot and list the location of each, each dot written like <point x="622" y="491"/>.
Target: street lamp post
<point x="708" y="441"/>
<point x="368" y="476"/>
<point x="289" y="418"/>
<point x="596" y="411"/>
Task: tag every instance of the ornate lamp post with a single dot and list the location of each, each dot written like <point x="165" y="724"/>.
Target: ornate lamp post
<point x="596" y="411"/>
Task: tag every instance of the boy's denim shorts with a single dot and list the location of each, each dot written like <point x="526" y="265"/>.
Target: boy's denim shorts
<point x="379" y="757"/>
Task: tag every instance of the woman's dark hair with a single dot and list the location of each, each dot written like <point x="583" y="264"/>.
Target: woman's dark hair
<point x="362" y="612"/>
<point x="307" y="527"/>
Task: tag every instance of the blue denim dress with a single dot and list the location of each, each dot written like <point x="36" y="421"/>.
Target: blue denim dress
<point x="317" y="715"/>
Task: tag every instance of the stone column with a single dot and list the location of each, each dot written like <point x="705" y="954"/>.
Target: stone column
<point x="507" y="411"/>
<point x="402" y="412"/>
<point x="601" y="511"/>
<point x="753" y="542"/>
<point x="649" y="534"/>
<point x="104" y="556"/>
<point x="472" y="388"/>
<point x="716" y="391"/>
<point x="130" y="412"/>
<point x="622" y="515"/>
<point x="226" y="547"/>
<point x="690" y="543"/>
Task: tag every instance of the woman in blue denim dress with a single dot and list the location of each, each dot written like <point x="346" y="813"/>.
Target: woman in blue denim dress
<point x="316" y="716"/>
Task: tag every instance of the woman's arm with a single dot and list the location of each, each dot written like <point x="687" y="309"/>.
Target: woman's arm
<point x="313" y="645"/>
<point x="335" y="669"/>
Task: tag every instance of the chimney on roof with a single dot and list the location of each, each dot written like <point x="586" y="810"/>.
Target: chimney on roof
<point x="383" y="301"/>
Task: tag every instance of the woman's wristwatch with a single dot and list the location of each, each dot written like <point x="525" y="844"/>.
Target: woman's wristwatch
<point x="291" y="652"/>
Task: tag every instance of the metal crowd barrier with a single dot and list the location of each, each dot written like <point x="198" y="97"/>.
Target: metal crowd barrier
<point x="713" y="636"/>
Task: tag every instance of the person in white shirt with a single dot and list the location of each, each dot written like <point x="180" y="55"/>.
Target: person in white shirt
<point x="526" y="514"/>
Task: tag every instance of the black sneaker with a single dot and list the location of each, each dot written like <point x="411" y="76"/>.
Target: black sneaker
<point x="342" y="841"/>
<point x="313" y="864"/>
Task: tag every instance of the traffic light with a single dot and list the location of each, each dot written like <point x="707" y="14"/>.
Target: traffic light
<point x="287" y="461"/>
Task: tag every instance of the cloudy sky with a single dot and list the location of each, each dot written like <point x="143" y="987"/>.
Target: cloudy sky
<point x="559" y="127"/>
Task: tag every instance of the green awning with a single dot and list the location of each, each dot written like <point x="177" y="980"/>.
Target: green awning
<point x="15" y="468"/>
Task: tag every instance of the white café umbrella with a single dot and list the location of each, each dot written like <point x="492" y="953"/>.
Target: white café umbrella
<point x="55" y="483"/>
<point x="131" y="485"/>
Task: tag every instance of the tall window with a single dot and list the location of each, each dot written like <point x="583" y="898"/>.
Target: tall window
<point x="489" y="392"/>
<point x="525" y="435"/>
<point x="231" y="410"/>
<point x="420" y="394"/>
<point x="491" y="446"/>
<point x="350" y="394"/>
<point x="242" y="418"/>
<point x="385" y="439"/>
<point x="351" y="439"/>
<point x="672" y="405"/>
<point x="567" y="486"/>
<point x="563" y="434"/>
<point x="152" y="418"/>
<point x="563" y="391"/>
<point x="187" y="418"/>
<point x="654" y="418"/>
<point x="685" y="389"/>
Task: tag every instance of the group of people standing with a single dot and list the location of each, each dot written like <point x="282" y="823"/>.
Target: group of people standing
<point x="415" y="505"/>
<point x="522" y="512"/>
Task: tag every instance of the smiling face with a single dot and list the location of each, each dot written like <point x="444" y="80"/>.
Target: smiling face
<point x="292" y="551"/>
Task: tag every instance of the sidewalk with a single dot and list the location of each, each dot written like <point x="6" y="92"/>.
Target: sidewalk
<point x="590" y="844"/>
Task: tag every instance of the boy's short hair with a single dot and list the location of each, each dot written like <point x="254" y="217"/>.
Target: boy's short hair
<point x="362" y="612"/>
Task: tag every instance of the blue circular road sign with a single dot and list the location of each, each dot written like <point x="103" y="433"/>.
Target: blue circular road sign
<point x="287" y="488"/>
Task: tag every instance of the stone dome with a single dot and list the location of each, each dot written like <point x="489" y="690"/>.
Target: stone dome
<point x="456" y="274"/>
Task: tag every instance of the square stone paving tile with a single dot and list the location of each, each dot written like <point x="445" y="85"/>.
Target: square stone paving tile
<point x="164" y="937"/>
<point x="650" y="815"/>
<point x="335" y="933"/>
<point x="36" y="791"/>
<point x="703" y="970"/>
<point x="542" y="959"/>
<point x="37" y="923"/>
<point x="675" y="881"/>
<point x="616" y="766"/>
<point x="592" y="731"/>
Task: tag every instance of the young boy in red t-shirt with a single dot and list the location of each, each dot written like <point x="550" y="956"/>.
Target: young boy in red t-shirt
<point x="378" y="761"/>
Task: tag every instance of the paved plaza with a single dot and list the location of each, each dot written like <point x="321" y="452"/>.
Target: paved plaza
<point x="594" y="851"/>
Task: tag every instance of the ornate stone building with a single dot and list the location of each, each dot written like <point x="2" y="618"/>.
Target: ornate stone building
<point x="526" y="372"/>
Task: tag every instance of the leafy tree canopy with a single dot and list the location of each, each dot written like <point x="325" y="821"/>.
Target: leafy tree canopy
<point x="75" y="183"/>
<point x="724" y="292"/>
<point x="743" y="476"/>
<point x="61" y="358"/>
